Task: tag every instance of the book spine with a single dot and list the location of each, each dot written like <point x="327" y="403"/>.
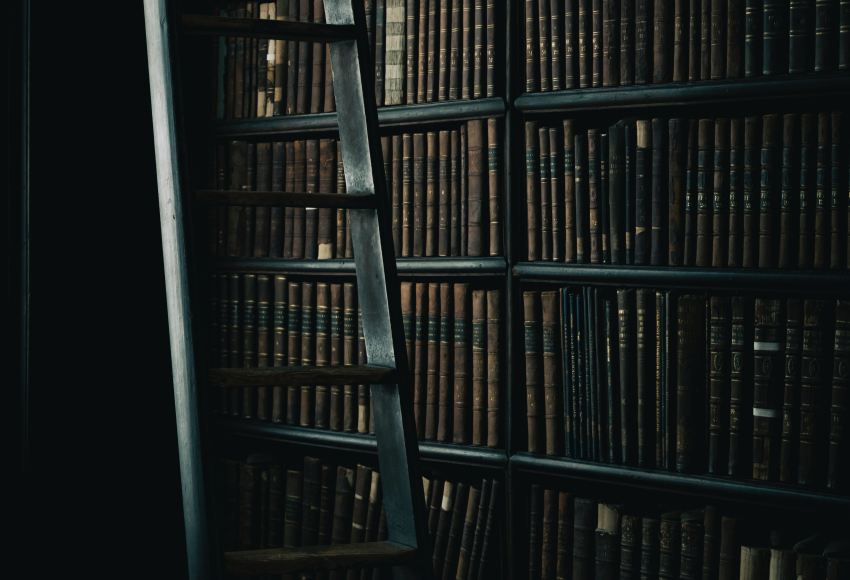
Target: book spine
<point x="616" y="194"/>
<point x="411" y="56"/>
<point x="676" y="192"/>
<point x="472" y="516"/>
<point x="532" y="46"/>
<point x="787" y="207"/>
<point x="476" y="164"/>
<point x="419" y="357"/>
<point x="837" y="211"/>
<point x="593" y="191"/>
<point x="669" y="542"/>
<point x="532" y="333"/>
<point x="838" y="474"/>
<point x="690" y="563"/>
<point x="791" y="391"/>
<point x="431" y="194"/>
<point x="704" y="192"/>
<point x="610" y="44"/>
<point x="585" y="49"/>
<point x="479" y="62"/>
<point x="825" y="32"/>
<point x="630" y="528"/>
<point x="545" y="194"/>
<point x="736" y="185"/>
<point x="535" y="524"/>
<point x="431" y="12"/>
<point x="693" y="33"/>
<point x="335" y="421"/>
<point x="548" y="534"/>
<point x="805" y="237"/>
<point x="690" y="227"/>
<point x="642" y="193"/>
<point x="628" y="391"/>
<point x="645" y="378"/>
<point x="532" y="182"/>
<point x="711" y="543"/>
<point x="705" y="39"/>
<point x="737" y="380"/>
<point x="800" y="28"/>
<point x="264" y="294"/>
<point x="768" y="199"/>
<point x="596" y="42"/>
<point x="766" y="352"/>
<point x="720" y="195"/>
<point x="752" y="126"/>
<point x="720" y="345"/>
<point x="487" y="491"/>
<point x="658" y="239"/>
<point x="812" y="386"/>
<point x="349" y="354"/>
<point x="730" y="549"/>
<point x="627" y="43"/>
<point x="735" y="23"/>
<point x="822" y="187"/>
<point x="494" y="170"/>
<point x="753" y="20"/>
<point x="463" y="496"/>
<point x="419" y="194"/>
<point x="551" y="414"/>
<point x="544" y="63"/>
<point x="323" y="353"/>
<point x="443" y="65"/>
<point x="581" y="198"/>
<point x="433" y="358"/>
<point x="662" y="41"/>
<point x="479" y="368"/>
<point x="494" y="372"/>
<point x="460" y="429"/>
<point x="307" y="404"/>
<point x="445" y="397"/>
<point x="718" y="39"/>
<point x="443" y="524"/>
<point x="607" y="543"/>
<point x="630" y="189"/>
<point x="490" y="49"/>
<point x="649" y="548"/>
<point x="584" y="525"/>
<point x="643" y="42"/>
<point x="680" y="40"/>
<point x="556" y="194"/>
<point x="571" y="32"/>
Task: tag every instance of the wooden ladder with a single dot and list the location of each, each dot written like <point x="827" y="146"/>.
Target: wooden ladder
<point x="366" y="199"/>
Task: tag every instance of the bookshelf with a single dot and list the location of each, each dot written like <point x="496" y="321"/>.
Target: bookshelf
<point x="511" y="464"/>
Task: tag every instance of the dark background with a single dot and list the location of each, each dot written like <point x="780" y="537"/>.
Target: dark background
<point x="101" y="492"/>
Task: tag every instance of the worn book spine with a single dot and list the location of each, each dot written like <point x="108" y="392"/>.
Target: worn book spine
<point x="249" y="506"/>
<point x="610" y="44"/>
<point x="556" y="193"/>
<point x="822" y="174"/>
<point x="585" y="21"/>
<point x="532" y="334"/>
<point x="693" y="36"/>
<point x="490" y="49"/>
<point x="826" y="23"/>
<point x="611" y="412"/>
<point x="813" y="379"/>
<point x="838" y="473"/>
<point x="630" y="528"/>
<point x="662" y="409"/>
<point x="584" y="525"/>
<point x="307" y="401"/>
<point x="720" y="195"/>
<point x="428" y="74"/>
<point x="837" y="199"/>
<point x="649" y="548"/>
<point x="607" y="542"/>
<point x="658" y="235"/>
<point x="299" y="214"/>
<point x="669" y="542"/>
<point x="463" y="496"/>
<point x="443" y="194"/>
<point x="420" y="354"/>
<point x="545" y="194"/>
<point x="642" y="193"/>
<point x="844" y="35"/>
<point x="690" y="562"/>
<point x="394" y="55"/>
<point x="311" y="219"/>
<point x="292" y="510"/>
<point x="710" y="543"/>
<point x="704" y="192"/>
<point x="626" y="42"/>
<point x="532" y="182"/>
<point x="662" y="41"/>
<point x="249" y="341"/>
<point x="310" y="502"/>
<point x="676" y="191"/>
<point x="643" y="42"/>
<point x="543" y="63"/>
<point x="280" y="340"/>
<point x="690" y="389"/>
<point x="728" y="567"/>
<point x="630" y="188"/>
<point x="349" y="354"/>
<point x="432" y="370"/>
<point x="718" y="39"/>
<point x="645" y="321"/>
<point x="551" y="413"/>
<point x="323" y="352"/>
<point x="435" y="495"/>
<point x="494" y="170"/>
<point x="262" y="223"/>
<point x="628" y="390"/>
<point x="769" y="193"/>
<point x="462" y="395"/>
<point x="568" y="371"/>
<point x="767" y="350"/>
<point x="736" y="185"/>
<point x="581" y="198"/>
<point x="548" y="534"/>
<point x="475" y="171"/>
<point x="791" y="391"/>
<point x="787" y="257"/>
<point x="532" y="46"/>
<point x="443" y="65"/>
<point x="479" y="57"/>
<point x="441" y="536"/>
<point x="593" y="190"/>
<point x="411" y="56"/>
<point x="800" y="29"/>
<point x="317" y="74"/>
<point x="431" y="194"/>
<point x="445" y="396"/>
<point x="474" y="555"/>
<point x="479" y="368"/>
<point x="264" y="295"/>
<point x="419" y="194"/>
<point x="327" y="183"/>
<point x="755" y="563"/>
<point x="738" y="376"/>
<point x="705" y="39"/>
<point x="234" y="334"/>
<point x="690" y="219"/>
<point x="596" y="42"/>
<point x="570" y="58"/>
<point x="752" y="134"/>
<point x="753" y="22"/>
<point x="718" y="414"/>
<point x="335" y="419"/>
<point x="494" y="372"/>
<point x="735" y="23"/>
<point x="680" y="40"/>
<point x="616" y="194"/>
<point x="472" y="516"/>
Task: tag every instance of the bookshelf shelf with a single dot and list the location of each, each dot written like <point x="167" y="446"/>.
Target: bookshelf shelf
<point x="396" y="116"/>
<point x="704" y="487"/>
<point x="407" y="267"/>
<point x="823" y="87"/>
<point x="808" y="282"/>
<point x="482" y="457"/>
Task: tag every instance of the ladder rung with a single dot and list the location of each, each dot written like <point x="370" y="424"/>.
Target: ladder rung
<point x="284" y="198"/>
<point x="291" y="376"/>
<point x="280" y="560"/>
<point x="249" y="27"/>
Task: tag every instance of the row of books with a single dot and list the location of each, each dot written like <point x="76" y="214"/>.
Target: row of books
<point x="421" y="51"/>
<point x="453" y="338"/>
<point x="444" y="188"/>
<point x="271" y="505"/>
<point x="575" y="537"/>
<point x="607" y="43"/>
<point x="755" y="192"/>
<point x="690" y="382"/>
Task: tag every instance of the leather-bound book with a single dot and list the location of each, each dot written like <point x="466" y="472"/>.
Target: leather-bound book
<point x="720" y="194"/>
<point x="443" y="187"/>
<point x="755" y="563"/>
<point x="693" y="37"/>
<point x="728" y="566"/>
<point x="494" y="201"/>
<point x="456" y="191"/>
<point x="279" y="344"/>
<point x="261" y="214"/>
<point x="454" y="41"/>
<point x="616" y="194"/>
<point x="532" y="334"/>
<point x="466" y="56"/>
<point x="288" y="185"/>
<point x="395" y="179"/>
<point x="585" y="49"/>
<point x="249" y="213"/>
<point x="596" y="42"/>
<point x="628" y="390"/>
<point x="611" y="411"/>
<point x="303" y="84"/>
<point x="234" y="336"/>
<point x="610" y="44"/>
<point x="680" y="40"/>
<point x="593" y="189"/>
<point x="734" y="39"/>
<point x="411" y="56"/>
<point x="323" y="352"/>
<point x="299" y="214"/>
<point x="563" y="536"/>
<point x="264" y="294"/>
<point x="432" y="155"/>
<point x="669" y="543"/>
<point x="462" y="498"/>
<point x="704" y="192"/>
<point x="806" y="205"/>
<point x="419" y="162"/>
<point x="584" y="525"/>
<point x="607" y="542"/>
<point x="327" y="184"/>
<point x="791" y="391"/>
<point x="445" y="398"/>
<point x="442" y="57"/>
<point x="406" y="195"/>
<point x="549" y="533"/>
<point x="432" y="371"/>
<point x="649" y="548"/>
<point x="630" y="147"/>
<point x="479" y="368"/>
<point x="569" y="379"/>
<point x="435" y="497"/>
<point x="738" y="371"/>
<point x="308" y="352"/>
<point x="349" y="354"/>
<point x="800" y="29"/>
<point x="428" y="9"/>
<point x="238" y="170"/>
<point x="690" y="563"/>
<point x="630" y="528"/>
<point x="581" y="199"/>
<point x="837" y="199"/>
<point x="767" y="353"/>
<point x="826" y="24"/>
<point x="476" y="170"/>
<point x="718" y="411"/>
<point x="643" y="42"/>
<point x="626" y="43"/>
<point x="662" y="42"/>
<point x="570" y="58"/>
<point x="490" y="49"/>
<point x="676" y="192"/>
<point x="544" y="62"/>
<point x="494" y="373"/>
<point x="292" y="509"/>
<point x="249" y="506"/>
<point x="752" y="140"/>
<point x="551" y="412"/>
<point x="658" y="206"/>
<point x="479" y="62"/>
<point x="710" y="543"/>
<point x="690" y="389"/>
<point x="335" y="413"/>
<point x="462" y="396"/>
<point x="532" y="188"/>
<point x="604" y="191"/>
<point x="535" y="525"/>
<point x="545" y="194"/>
<point x="420" y="361"/>
<point x="753" y="22"/>
<point x="787" y="200"/>
<point x="532" y="46"/>
<point x="471" y="517"/>
<point x="813" y="379"/>
<point x="838" y="472"/>
<point x="690" y="221"/>
<point x="775" y="37"/>
<point x="736" y="186"/>
<point x="591" y="372"/>
<point x="556" y="193"/>
<point x="645" y="322"/>
<point x="359" y="510"/>
<point x="670" y="376"/>
<point x="822" y="189"/>
<point x="769" y="194"/>
<point x="443" y="523"/>
<point x="317" y="73"/>
<point x="474" y="553"/>
<point x="663" y="399"/>
<point x="705" y="39"/>
<point x="311" y="219"/>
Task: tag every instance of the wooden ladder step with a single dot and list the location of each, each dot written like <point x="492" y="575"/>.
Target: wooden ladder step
<point x="281" y="560"/>
<point x="255" y="28"/>
<point x="285" y="198"/>
<point x="306" y="375"/>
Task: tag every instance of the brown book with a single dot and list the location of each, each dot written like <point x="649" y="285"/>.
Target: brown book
<point x="342" y="511"/>
<point x="434" y="499"/>
<point x="593" y="196"/>
<point x="365" y="422"/>
<point x="220" y="305"/>
<point x="734" y="38"/>
<point x="690" y="388"/>
<point x="489" y="491"/>
<point x="813" y="379"/>
<point x="445" y="397"/>
<point x="411" y="33"/>
<point x="658" y="208"/>
<point x="494" y="170"/>
<point x="406" y="195"/>
<point x="551" y="317"/>
<point x="249" y="506"/>
<point x="476" y="164"/>
<point x="302" y="88"/>
<point x="690" y="226"/>
<point x="308" y="352"/>
<point x="753" y="23"/>
<point x="466" y="54"/>
<point x="545" y="195"/>
<point x="838" y="473"/>
<point x="544" y="62"/>
<point x="443" y="206"/>
<point x="564" y="532"/>
<point x="755" y="563"/>
<point x="479" y="62"/>
<point x="463" y="193"/>
<point x="738" y="372"/>
<point x="581" y="199"/>
<point x="317" y="74"/>
<point x="752" y="137"/>
<point x="736" y="186"/>
<point x="805" y="237"/>
<point x="676" y="192"/>
<point x="397" y="175"/>
<point x="373" y="517"/>
<point x="441" y="535"/>
<point x="455" y="49"/>
<point x="238" y="169"/>
<point x="429" y="76"/>
<point x="720" y="354"/>
<point x="791" y="391"/>
<point x="431" y="193"/>
<point x="532" y="188"/>
<point x="662" y="41"/>
<point x="596" y="42"/>
<point x="787" y="200"/>
<point x="690" y="562"/>
<point x="710" y="543"/>
<point x="299" y="214"/>
<point x="837" y="199"/>
<point x="680" y="40"/>
<point x="479" y="368"/>
<point x="261" y="214"/>
<point x="449" y="564"/>
<point x="349" y="354"/>
<point x="531" y="322"/>
<point x="569" y="191"/>
<point x="767" y="350"/>
<point x="669" y="542"/>
<point x="472" y="516"/>
<point x="249" y="341"/>
<point x="610" y="44"/>
<point x="421" y="353"/>
<point x="769" y="195"/>
<point x="455" y="192"/>
<point x="323" y="352"/>
<point x="584" y="42"/>
<point x="490" y="54"/>
<point x="327" y="184"/>
<point x="280" y="343"/>
<point x="443" y="52"/>
<point x="264" y="295"/>
<point x="704" y="192"/>
<point x="548" y="533"/>
<point x="571" y="32"/>
<point x="336" y="412"/>
<point x="460" y="423"/>
<point x="288" y="185"/>
<point x="419" y="189"/>
<point x="720" y="195"/>
<point x="494" y="396"/>
<point x="649" y="548"/>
